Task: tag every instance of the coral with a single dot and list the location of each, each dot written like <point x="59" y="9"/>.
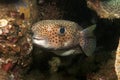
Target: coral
<point x="105" y="9"/>
<point x="15" y="38"/>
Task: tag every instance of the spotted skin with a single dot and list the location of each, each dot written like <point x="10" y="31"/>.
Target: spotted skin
<point x="57" y="34"/>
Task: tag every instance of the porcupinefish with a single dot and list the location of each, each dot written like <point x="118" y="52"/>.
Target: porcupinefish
<point x="64" y="37"/>
<point x="105" y="8"/>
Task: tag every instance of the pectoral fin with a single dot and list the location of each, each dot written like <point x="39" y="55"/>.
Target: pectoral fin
<point x="88" y="40"/>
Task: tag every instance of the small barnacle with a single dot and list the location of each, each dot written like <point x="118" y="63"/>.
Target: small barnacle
<point x="20" y="34"/>
<point x="14" y="45"/>
<point x="3" y="22"/>
<point x="9" y="26"/>
<point x="1" y="31"/>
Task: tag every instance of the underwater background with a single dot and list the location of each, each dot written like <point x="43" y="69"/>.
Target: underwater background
<point x="36" y="64"/>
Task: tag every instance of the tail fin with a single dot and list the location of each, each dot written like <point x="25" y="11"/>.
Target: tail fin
<point x="88" y="40"/>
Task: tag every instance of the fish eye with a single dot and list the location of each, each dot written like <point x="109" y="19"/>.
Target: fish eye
<point x="62" y="30"/>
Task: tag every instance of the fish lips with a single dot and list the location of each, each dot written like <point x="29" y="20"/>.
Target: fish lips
<point x="40" y="41"/>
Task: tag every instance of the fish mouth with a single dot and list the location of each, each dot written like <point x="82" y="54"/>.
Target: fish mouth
<point x="40" y="41"/>
<point x="38" y="38"/>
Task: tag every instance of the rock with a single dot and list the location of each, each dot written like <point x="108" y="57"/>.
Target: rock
<point x="105" y="8"/>
<point x="15" y="39"/>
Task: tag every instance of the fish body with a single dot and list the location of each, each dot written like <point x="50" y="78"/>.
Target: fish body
<point x="105" y="8"/>
<point x="63" y="37"/>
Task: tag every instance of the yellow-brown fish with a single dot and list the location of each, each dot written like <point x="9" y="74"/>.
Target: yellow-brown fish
<point x="63" y="37"/>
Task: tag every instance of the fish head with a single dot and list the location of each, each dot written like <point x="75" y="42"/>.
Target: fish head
<point x="55" y="34"/>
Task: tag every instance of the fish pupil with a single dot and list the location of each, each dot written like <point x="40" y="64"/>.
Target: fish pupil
<point x="62" y="30"/>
